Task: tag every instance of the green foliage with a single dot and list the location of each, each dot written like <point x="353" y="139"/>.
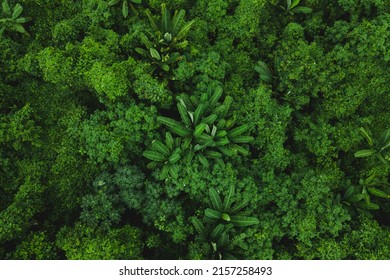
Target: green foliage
<point x="83" y="243"/>
<point x="166" y="39"/>
<point x="205" y="132"/>
<point x="127" y="127"/>
<point x="11" y="19"/>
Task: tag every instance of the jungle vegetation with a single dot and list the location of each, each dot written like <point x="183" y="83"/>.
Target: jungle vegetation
<point x="197" y="129"/>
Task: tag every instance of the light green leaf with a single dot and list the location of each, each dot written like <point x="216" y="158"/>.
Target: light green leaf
<point x="154" y="53"/>
<point x="125" y="9"/>
<point x="364" y="153"/>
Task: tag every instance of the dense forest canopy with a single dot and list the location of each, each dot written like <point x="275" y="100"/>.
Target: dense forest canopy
<point x="247" y="129"/>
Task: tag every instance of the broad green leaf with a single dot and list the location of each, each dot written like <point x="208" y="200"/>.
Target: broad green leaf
<point x="174" y="171"/>
<point x="19" y="28"/>
<point x="154" y="53"/>
<point x="228" y="199"/>
<point x="242" y="221"/>
<point x="177" y="19"/>
<point x="199" y="227"/>
<point x="366" y="135"/>
<point x="199" y="130"/>
<point x="6" y="8"/>
<point x="153" y="155"/>
<point x="151" y="20"/>
<point x="227" y="102"/>
<point x="184" y="114"/>
<point x="165" y="19"/>
<point x="18" y="9"/>
<point x="216" y="201"/>
<point x="174" y="158"/>
<point x="355" y="198"/>
<point x="175" y="126"/>
<point x="364" y="153"/>
<point x="369" y="206"/>
<point x="241" y="139"/>
<point x="169" y="140"/>
<point x="378" y="193"/>
<point x="223" y="240"/>
<point x="237" y="131"/>
<point x="21" y="20"/>
<point x="217" y="232"/>
<point x="294" y="3"/>
<point x="125" y="9"/>
<point x="203" y="161"/>
<point x="304" y="10"/>
<point x="184" y="30"/>
<point x="263" y="70"/>
<point x="213" y="214"/>
<point x="210" y="119"/>
<point x="216" y="96"/>
<point x="160" y="147"/>
<point x="198" y="114"/>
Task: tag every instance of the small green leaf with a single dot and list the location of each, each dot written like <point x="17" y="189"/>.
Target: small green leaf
<point x="154" y="53"/>
<point x="6" y="8"/>
<point x="242" y="221"/>
<point x="378" y="193"/>
<point x="303" y="10"/>
<point x="136" y="1"/>
<point x="364" y="153"/>
<point x="294" y="3"/>
<point x="213" y="214"/>
<point x="225" y="217"/>
<point x="125" y="9"/>
<point x="174" y="171"/>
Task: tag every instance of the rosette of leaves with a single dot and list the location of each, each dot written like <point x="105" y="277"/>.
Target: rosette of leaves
<point x="219" y="239"/>
<point x="126" y="5"/>
<point x="264" y="71"/>
<point x="360" y="196"/>
<point x="205" y="128"/>
<point x="379" y="148"/>
<point x="227" y="211"/>
<point x="292" y="7"/>
<point x="11" y="19"/>
<point x="166" y="38"/>
<point x="221" y="219"/>
<point x="165" y="155"/>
